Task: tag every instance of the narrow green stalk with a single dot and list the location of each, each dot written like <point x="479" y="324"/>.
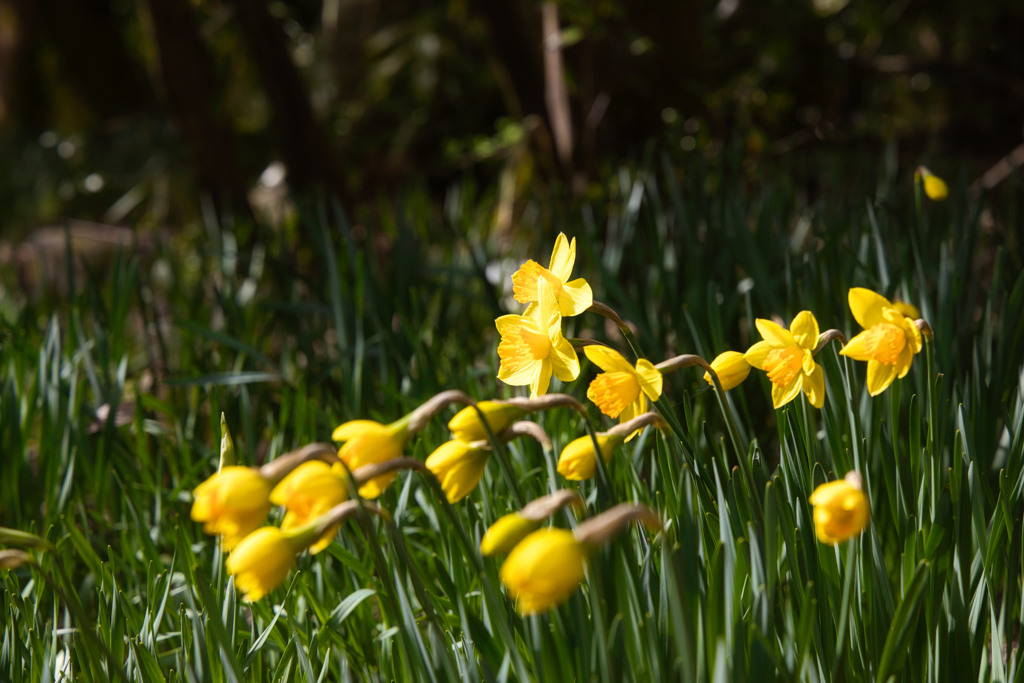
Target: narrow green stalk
<point x="502" y="457"/>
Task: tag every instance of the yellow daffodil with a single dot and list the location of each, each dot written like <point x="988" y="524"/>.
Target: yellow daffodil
<point x="934" y="186"/>
<point x="544" y="570"/>
<point x="368" y="442"/>
<point x="506" y="533"/>
<point x="310" y="490"/>
<point x="888" y="342"/>
<point x="572" y="298"/>
<point x="578" y="460"/>
<point x="621" y="390"/>
<point x="732" y="368"/>
<point x="458" y="466"/>
<point x="788" y="358"/>
<point x="231" y="503"/>
<point x="532" y="347"/>
<point x="841" y="510"/>
<point x="262" y="560"/>
<point x="466" y="425"/>
<point x="907" y="310"/>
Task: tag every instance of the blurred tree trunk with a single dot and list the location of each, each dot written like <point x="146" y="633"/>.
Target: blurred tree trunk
<point x="190" y="86"/>
<point x="303" y="143"/>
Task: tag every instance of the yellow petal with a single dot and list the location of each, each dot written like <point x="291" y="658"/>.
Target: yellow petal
<point x="804" y="329"/>
<point x="508" y="323"/>
<point x="562" y="257"/>
<point x="564" y="362"/>
<point x="859" y="348"/>
<point x="880" y="376"/>
<point x="541" y="379"/>
<point x="867" y="307"/>
<point x="354" y="428"/>
<point x="637" y="407"/>
<point x="781" y="395"/>
<point x="757" y="353"/>
<point x="651" y="379"/>
<point x="813" y="385"/>
<point x="608" y="359"/>
<point x="904" y="361"/>
<point x="575" y="297"/>
<point x="908" y="310"/>
<point x="775" y="334"/>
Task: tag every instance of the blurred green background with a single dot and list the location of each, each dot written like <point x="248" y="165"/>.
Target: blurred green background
<point x="136" y="112"/>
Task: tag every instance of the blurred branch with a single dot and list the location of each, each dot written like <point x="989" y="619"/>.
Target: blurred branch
<point x="555" y="93"/>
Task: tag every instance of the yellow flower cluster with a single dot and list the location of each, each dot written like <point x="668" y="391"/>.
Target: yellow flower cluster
<point x="544" y="566"/>
<point x="532" y="347"/>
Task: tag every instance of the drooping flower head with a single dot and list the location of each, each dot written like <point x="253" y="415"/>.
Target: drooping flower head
<point x="888" y="342"/>
<point x="571" y="298"/>
<point x="621" y="390"/>
<point x="310" y="490"/>
<point x="262" y="560"/>
<point x="368" y="442"/>
<point x="458" y="467"/>
<point x="231" y="503"/>
<point x="466" y="425"/>
<point x="731" y="368"/>
<point x="578" y="460"/>
<point x="841" y="510"/>
<point x="544" y="569"/>
<point x="506" y="533"/>
<point x="788" y="358"/>
<point x="934" y="186"/>
<point x="532" y="347"/>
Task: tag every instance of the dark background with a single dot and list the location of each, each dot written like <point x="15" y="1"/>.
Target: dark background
<point x="136" y="112"/>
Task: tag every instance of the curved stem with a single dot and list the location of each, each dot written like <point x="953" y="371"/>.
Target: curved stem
<point x="527" y="428"/>
<point x="638" y="422"/>
<point x="579" y="344"/>
<point x="419" y="418"/>
<point x="539" y="509"/>
<point x="367" y="472"/>
<point x="277" y="469"/>
<point x="598" y="530"/>
<point x="827" y="337"/>
<point x="686" y="360"/>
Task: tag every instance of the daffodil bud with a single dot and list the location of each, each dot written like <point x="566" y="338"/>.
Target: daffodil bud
<point x="841" y="510"/>
<point x="466" y="425"/>
<point x="506" y="533"/>
<point x="310" y="490"/>
<point x="262" y="560"/>
<point x="367" y="443"/>
<point x="731" y="368"/>
<point x="934" y="186"/>
<point x="578" y="460"/>
<point x="544" y="570"/>
<point x="232" y="503"/>
<point x="458" y="467"/>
